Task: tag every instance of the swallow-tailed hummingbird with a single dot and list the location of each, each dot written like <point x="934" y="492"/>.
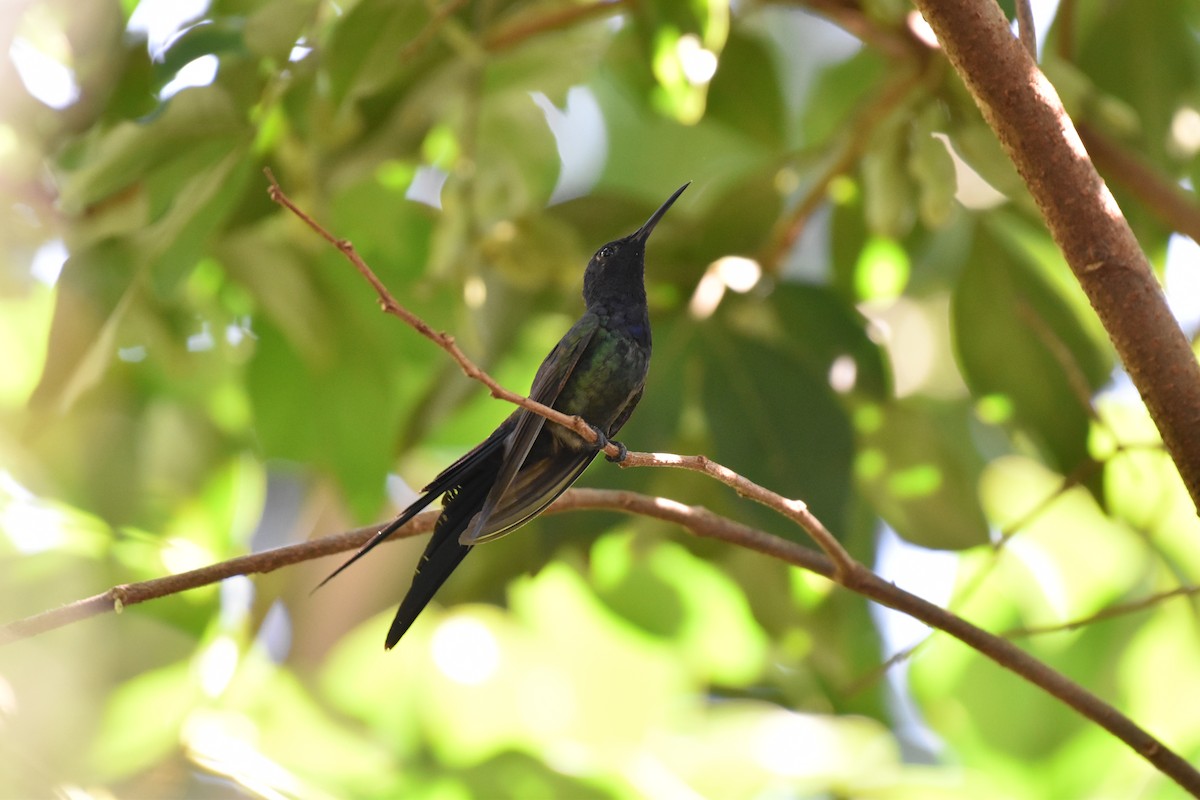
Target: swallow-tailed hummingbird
<point x="597" y="371"/>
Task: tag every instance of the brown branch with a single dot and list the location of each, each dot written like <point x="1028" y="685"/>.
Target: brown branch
<point x="1024" y="110"/>
<point x="118" y="597"/>
<point x="1025" y="30"/>
<point x="515" y="33"/>
<point x="848" y="570"/>
<point x="1109" y="612"/>
<point x="701" y="522"/>
<point x="1172" y="204"/>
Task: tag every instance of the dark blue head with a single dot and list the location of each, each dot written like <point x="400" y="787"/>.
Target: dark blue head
<point x="616" y="271"/>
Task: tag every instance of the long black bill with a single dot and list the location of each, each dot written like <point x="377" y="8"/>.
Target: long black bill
<point x="643" y="233"/>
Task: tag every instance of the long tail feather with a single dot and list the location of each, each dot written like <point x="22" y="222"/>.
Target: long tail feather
<point x="443" y="553"/>
<point x="393" y="526"/>
<point x="433" y="571"/>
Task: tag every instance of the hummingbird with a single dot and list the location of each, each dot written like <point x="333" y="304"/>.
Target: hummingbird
<point x="597" y="371"/>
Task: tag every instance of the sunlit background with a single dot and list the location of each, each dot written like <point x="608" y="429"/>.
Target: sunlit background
<point x="207" y="380"/>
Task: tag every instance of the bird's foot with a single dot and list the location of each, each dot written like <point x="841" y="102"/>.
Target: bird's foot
<point x="603" y="441"/>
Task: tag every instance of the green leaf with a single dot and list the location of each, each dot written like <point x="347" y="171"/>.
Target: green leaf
<point x="274" y="28"/>
<point x="132" y="740"/>
<point x="685" y="600"/>
<point x="333" y="414"/>
<point x="199" y="205"/>
<point x="836" y="94"/>
<point x="95" y="290"/>
<point x="516" y="143"/>
<point x="114" y="159"/>
<point x="745" y="93"/>
<point x="818" y="330"/>
<point x="916" y="466"/>
<point x="1021" y="334"/>
<point x="367" y="48"/>
<point x="1112" y="53"/>
<point x="792" y="437"/>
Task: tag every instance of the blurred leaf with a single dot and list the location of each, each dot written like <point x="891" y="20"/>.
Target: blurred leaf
<point x="95" y="289"/>
<point x="718" y="233"/>
<point x="336" y="415"/>
<point x="916" y="467"/>
<point x="745" y="92"/>
<point x="818" y="329"/>
<point x="547" y="64"/>
<point x="275" y="27"/>
<point x="1020" y="336"/>
<point x="1152" y="86"/>
<point x="130" y="739"/>
<point x="649" y="151"/>
<point x="685" y="600"/>
<point x="516" y="144"/>
<point x="113" y="159"/>
<point x="793" y="435"/>
<point x="837" y="91"/>
<point x="374" y="45"/>
<point x="199" y="205"/>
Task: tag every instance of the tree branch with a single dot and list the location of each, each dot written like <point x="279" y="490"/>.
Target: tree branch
<point x="1028" y="118"/>
<point x="116" y="598"/>
<point x="1175" y="206"/>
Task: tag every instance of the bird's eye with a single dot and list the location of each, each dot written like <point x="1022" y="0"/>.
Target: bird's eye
<point x="607" y="251"/>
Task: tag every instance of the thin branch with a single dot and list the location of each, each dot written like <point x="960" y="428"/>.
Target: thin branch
<point x="704" y="523"/>
<point x="515" y="33"/>
<point x="1025" y="30"/>
<point x="1175" y="206"/>
<point x="118" y="597"/>
<point x="1109" y="612"/>
<point x="848" y="570"/>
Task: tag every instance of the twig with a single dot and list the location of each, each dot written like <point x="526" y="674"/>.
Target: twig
<point x="116" y="598"/>
<point x="1109" y="612"/>
<point x="848" y="569"/>
<point x="1026" y="33"/>
<point x="1172" y="204"/>
<point x="515" y="33"/>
